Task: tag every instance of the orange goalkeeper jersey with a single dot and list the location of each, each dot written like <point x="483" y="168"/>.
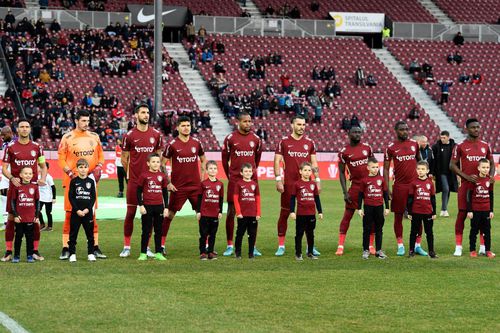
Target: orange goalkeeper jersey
<point x="76" y="145"/>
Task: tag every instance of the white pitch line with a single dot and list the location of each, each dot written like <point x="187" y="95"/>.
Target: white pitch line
<point x="10" y="324"/>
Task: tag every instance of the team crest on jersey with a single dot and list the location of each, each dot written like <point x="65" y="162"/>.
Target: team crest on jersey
<point x="379" y="182"/>
<point x="252" y="144"/>
<point x="152" y="140"/>
<point x="193" y="150"/>
<point x="88" y="186"/>
<point x="33" y="153"/>
<point x="413" y="148"/>
<point x="91" y="143"/>
<point x="312" y="187"/>
<point x="487" y="184"/>
<point x="306" y="147"/>
<point x="428" y="186"/>
<point x="160" y="178"/>
<point x="32" y="191"/>
<point x="217" y="188"/>
<point x="252" y="187"/>
<point x="365" y="152"/>
<point x="483" y="150"/>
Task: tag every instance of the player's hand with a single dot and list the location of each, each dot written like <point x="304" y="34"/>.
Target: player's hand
<point x="318" y="184"/>
<point x="280" y="187"/>
<point x="491" y="215"/>
<point x="492" y="179"/>
<point x="142" y="209"/>
<point x="361" y="213"/>
<point x="37" y="220"/>
<point x="347" y="198"/>
<point x="16" y="181"/>
<point x="293" y="216"/>
<point x="320" y="215"/>
<point x="171" y="188"/>
<point x="386" y="212"/>
<point x="470" y="215"/>
<point x="41" y="182"/>
<point x="471" y="178"/>
<point x="70" y="174"/>
<point x="433" y="217"/>
<point x="198" y="216"/>
<point x="80" y="213"/>
<point x="390" y="193"/>
<point x="17" y="219"/>
<point x="165" y="212"/>
<point x="53" y="201"/>
<point x="409" y="217"/>
<point x="239" y="216"/>
<point x="431" y="177"/>
<point x="86" y="211"/>
<point x="220" y="215"/>
<point x="257" y="218"/>
<point x="97" y="172"/>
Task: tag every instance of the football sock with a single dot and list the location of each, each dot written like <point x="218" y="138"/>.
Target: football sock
<point x="164" y="229"/>
<point x="281" y="241"/>
<point x="458" y="240"/>
<point x="341" y="239"/>
<point x="128" y="225"/>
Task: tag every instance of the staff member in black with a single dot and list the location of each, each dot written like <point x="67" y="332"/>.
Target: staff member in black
<point x="446" y="181"/>
<point x="82" y="195"/>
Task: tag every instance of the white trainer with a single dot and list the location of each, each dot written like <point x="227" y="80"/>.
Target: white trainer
<point x="458" y="251"/>
<point x="72" y="258"/>
<point x="125" y="253"/>
<point x="91" y="257"/>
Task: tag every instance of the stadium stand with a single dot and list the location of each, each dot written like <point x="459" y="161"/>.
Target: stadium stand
<point x="57" y="98"/>
<point x="465" y="11"/>
<point x="466" y="99"/>
<point x="206" y="7"/>
<point x="400" y="11"/>
<point x="377" y="107"/>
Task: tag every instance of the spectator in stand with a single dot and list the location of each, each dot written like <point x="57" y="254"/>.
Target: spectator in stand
<point x="207" y="56"/>
<point x="316" y="74"/>
<point x="44" y="76"/>
<point x="245" y="13"/>
<point x="458" y="40"/>
<point x="10" y="18"/>
<point x="464" y="78"/>
<point x="354" y="121"/>
<point x="414" y="113"/>
<point x="337" y="89"/>
<point x="262" y="134"/>
<point x="457" y="57"/>
<point x="360" y="77"/>
<point x="270" y="91"/>
<point x="220" y="47"/>
<point x="219" y="67"/>
<point x="477" y="78"/>
<point x="202" y="34"/>
<point x="164" y="76"/>
<point x="315" y="103"/>
<point x="269" y="11"/>
<point x="87" y="100"/>
<point x="346" y="123"/>
<point x="371" y="81"/>
<point x="445" y="90"/>
<point x="314" y="6"/>
<point x="190" y="32"/>
<point x="386" y="32"/>
<point x="446" y="181"/>
<point x="99" y="89"/>
<point x="414" y="67"/>
<point x="294" y="13"/>
<point x="285" y="83"/>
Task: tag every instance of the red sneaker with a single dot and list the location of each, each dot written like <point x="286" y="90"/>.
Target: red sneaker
<point x="490" y="254"/>
<point x="340" y="251"/>
<point x="473" y="254"/>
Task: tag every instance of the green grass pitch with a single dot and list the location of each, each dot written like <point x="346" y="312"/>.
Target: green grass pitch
<point x="269" y="294"/>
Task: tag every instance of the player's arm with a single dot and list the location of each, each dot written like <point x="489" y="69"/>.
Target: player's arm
<point x="343" y="183"/>
<point x="315" y="170"/>
<point x="387" y="167"/>
<point x="409" y="204"/>
<point x="277" y="172"/>
<point x="492" y="169"/>
<point x="62" y="157"/>
<point x="203" y="166"/>
<point x="125" y="158"/>
<point x="43" y="170"/>
<point x="225" y="157"/>
<point x="456" y="170"/>
<point x="258" y="153"/>
<point x="72" y="196"/>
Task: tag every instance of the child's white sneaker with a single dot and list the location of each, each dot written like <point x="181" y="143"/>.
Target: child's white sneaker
<point x="91" y="257"/>
<point x="72" y="258"/>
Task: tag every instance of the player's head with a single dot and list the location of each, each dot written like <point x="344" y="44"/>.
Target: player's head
<point x="422" y="169"/>
<point x="473" y="127"/>
<point x="154" y="162"/>
<point x="211" y="168"/>
<point x="444" y="136"/>
<point x="6" y="134"/>
<point x="484" y="167"/>
<point x="298" y="125"/>
<point x="246" y="171"/>
<point x="355" y="134"/>
<point x="184" y="125"/>
<point x="305" y="170"/>
<point x="26" y="174"/>
<point x="141" y="113"/>
<point x="82" y="120"/>
<point x="23" y="128"/>
<point x="372" y="166"/>
<point x="244" y="122"/>
<point x="82" y="166"/>
<point x="401" y="129"/>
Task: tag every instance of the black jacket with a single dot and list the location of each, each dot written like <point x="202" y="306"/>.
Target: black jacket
<point x="441" y="165"/>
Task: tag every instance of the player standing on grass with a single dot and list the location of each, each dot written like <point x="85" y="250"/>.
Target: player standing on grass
<point x="354" y="156"/>
<point x="291" y="152"/>
<point x="19" y="154"/>
<point x="183" y="154"/>
<point x="138" y="143"/>
<point x="240" y="147"/>
<point x="7" y="136"/>
<point x="404" y="152"/>
<point x="78" y="144"/>
<point x="464" y="161"/>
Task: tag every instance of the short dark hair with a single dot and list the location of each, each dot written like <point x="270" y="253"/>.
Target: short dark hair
<point x="139" y="106"/>
<point x="82" y="113"/>
<point x="445" y="133"/>
<point x="304" y="164"/>
<point x="242" y="114"/>
<point x="183" y="119"/>
<point x="399" y="123"/>
<point x="150" y="156"/>
<point x="82" y="161"/>
<point x="470" y="121"/>
<point x="484" y="160"/>
<point x="211" y="162"/>
<point x="246" y="166"/>
<point x="372" y="160"/>
<point x="297" y="116"/>
<point x="423" y="163"/>
<point x="21" y="120"/>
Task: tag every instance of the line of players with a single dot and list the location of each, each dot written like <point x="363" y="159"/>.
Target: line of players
<point x="185" y="154"/>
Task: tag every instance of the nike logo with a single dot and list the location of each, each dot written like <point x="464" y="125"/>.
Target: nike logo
<point x="397" y="151"/>
<point x="351" y="155"/>
<point x="16" y="152"/>
<point x="178" y="150"/>
<point x="468" y="149"/>
<point x="135" y="141"/>
<point x="237" y="143"/>
<point x="290" y="146"/>
<point x="146" y="18"/>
